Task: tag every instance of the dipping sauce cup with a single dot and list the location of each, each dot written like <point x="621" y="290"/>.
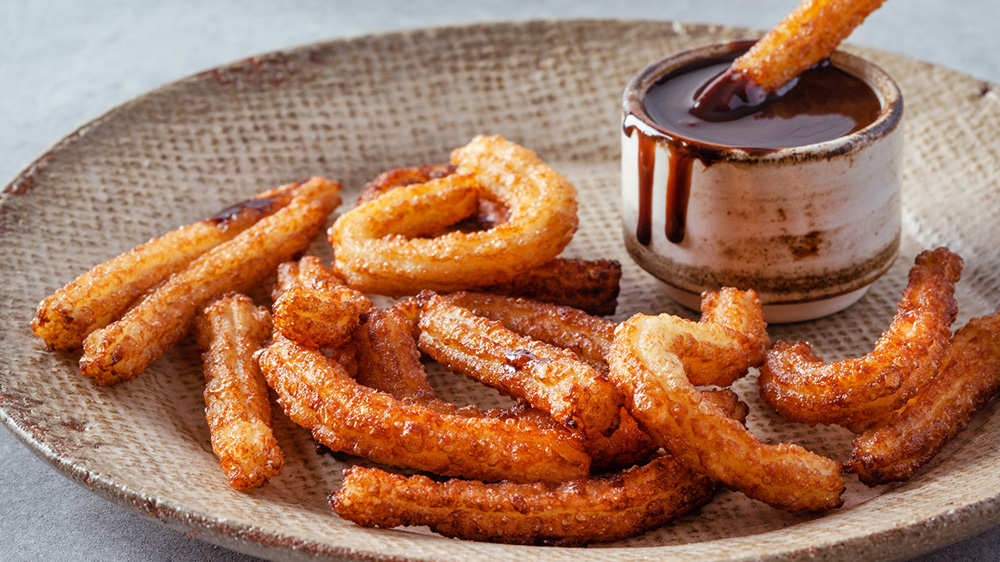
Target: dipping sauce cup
<point x="799" y="201"/>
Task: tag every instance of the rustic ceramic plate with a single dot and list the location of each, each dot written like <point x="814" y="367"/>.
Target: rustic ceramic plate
<point x="352" y="108"/>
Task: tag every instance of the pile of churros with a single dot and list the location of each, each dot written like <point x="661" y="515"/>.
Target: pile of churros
<point x="616" y="429"/>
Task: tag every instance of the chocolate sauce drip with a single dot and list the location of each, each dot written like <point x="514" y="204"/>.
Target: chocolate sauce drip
<point x="824" y="103"/>
<point x="647" y="161"/>
<point x="729" y="96"/>
<point x="678" y="193"/>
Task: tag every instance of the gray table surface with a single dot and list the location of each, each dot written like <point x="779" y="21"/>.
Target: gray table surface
<point x="64" y="62"/>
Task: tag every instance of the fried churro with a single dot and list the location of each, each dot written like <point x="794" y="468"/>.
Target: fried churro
<point x="858" y="392"/>
<point x="575" y="513"/>
<point x="896" y="446"/>
<point x="547" y="377"/>
<point x="127" y="346"/>
<point x="99" y="296"/>
<point x="662" y="398"/>
<point x="319" y="395"/>
<point x="230" y="329"/>
<point x="805" y="37"/>
<point x="313" y="306"/>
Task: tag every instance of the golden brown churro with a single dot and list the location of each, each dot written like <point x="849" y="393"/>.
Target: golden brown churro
<point x="858" y="392"/>
<point x="319" y="395"/>
<point x="969" y="377"/>
<point x="666" y="404"/>
<point x="590" y="338"/>
<point x="313" y="306"/>
<point x="804" y="38"/>
<point x="547" y="377"/>
<point x="127" y="346"/>
<point x="390" y="245"/>
<point x="579" y="512"/>
<point x="230" y="329"/>
<point x="590" y="285"/>
<point x="101" y="295"/>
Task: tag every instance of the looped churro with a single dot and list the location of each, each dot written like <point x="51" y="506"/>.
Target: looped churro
<point x="730" y="338"/>
<point x="393" y="244"/>
<point x="590" y="285"/>
<point x="666" y="404"/>
<point x="858" y="392"/>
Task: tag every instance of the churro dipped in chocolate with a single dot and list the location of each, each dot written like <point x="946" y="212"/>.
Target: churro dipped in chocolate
<point x="804" y="38"/>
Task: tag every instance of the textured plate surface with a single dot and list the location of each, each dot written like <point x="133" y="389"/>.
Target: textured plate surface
<point x="352" y="108"/>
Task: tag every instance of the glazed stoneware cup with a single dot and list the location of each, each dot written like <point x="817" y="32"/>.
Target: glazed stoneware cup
<point x="807" y="227"/>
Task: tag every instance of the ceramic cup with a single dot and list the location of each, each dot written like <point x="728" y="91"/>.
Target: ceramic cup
<point x="808" y="227"/>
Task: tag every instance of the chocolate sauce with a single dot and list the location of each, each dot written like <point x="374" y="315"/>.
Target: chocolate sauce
<point x="731" y="95"/>
<point x="678" y="193"/>
<point x="824" y="104"/>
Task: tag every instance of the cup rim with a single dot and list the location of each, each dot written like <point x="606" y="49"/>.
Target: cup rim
<point x="885" y="88"/>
